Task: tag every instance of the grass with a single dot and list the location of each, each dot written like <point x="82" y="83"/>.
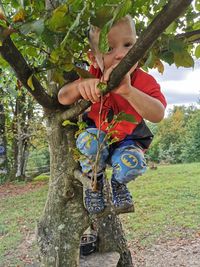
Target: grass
<point x="18" y="218"/>
<point x="167" y="205"/>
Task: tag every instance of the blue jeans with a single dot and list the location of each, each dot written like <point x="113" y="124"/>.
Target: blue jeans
<point x="126" y="158"/>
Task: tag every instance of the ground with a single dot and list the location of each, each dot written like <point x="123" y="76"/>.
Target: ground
<point x="177" y="252"/>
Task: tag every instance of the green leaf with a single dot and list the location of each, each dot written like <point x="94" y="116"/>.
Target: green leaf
<point x="150" y="60"/>
<point x="168" y="57"/>
<point x="82" y="125"/>
<point x="59" y="19"/>
<point x="102" y="87"/>
<point x="68" y="122"/>
<point x="197" y="5"/>
<point x="122" y="116"/>
<point x="122" y="9"/>
<point x="197" y="52"/>
<point x="183" y="59"/>
<point x="102" y="16"/>
<point x="171" y="28"/>
<point x="176" y="46"/>
<point x="103" y="38"/>
<point x="110" y="115"/>
<point x="30" y="82"/>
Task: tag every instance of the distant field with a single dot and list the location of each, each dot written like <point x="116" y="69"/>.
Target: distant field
<point x="167" y="203"/>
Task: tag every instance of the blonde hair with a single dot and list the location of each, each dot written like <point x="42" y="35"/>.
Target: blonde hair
<point x="94" y="31"/>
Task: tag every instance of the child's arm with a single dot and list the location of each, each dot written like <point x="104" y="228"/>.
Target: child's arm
<point x="147" y="106"/>
<point x="86" y="89"/>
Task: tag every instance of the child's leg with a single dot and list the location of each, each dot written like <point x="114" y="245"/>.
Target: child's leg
<point x="89" y="142"/>
<point x="128" y="162"/>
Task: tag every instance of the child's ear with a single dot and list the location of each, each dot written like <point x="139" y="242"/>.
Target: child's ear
<point x="92" y="58"/>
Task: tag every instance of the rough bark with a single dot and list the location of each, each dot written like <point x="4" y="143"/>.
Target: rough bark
<point x="3" y="155"/>
<point x="64" y="218"/>
<point x="112" y="238"/>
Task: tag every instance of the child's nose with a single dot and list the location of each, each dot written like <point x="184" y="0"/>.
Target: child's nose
<point x="120" y="54"/>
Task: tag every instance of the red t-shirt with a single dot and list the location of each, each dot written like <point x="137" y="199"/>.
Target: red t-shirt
<point x="140" y="80"/>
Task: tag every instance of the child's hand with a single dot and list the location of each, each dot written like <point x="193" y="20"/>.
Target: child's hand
<point x="124" y="87"/>
<point x="89" y="90"/>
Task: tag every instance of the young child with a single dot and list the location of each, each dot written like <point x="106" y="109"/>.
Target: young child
<point x="138" y="94"/>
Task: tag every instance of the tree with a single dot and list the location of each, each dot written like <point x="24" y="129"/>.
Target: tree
<point x="190" y="150"/>
<point x="62" y="32"/>
<point x="18" y="107"/>
<point x="3" y="152"/>
<point x="171" y="136"/>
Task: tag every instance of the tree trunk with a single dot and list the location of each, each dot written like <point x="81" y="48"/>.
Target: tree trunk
<point x="3" y="155"/>
<point x="112" y="238"/>
<point x="64" y="218"/>
<point x="21" y="140"/>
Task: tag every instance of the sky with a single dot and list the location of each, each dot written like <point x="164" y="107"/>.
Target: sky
<point x="181" y="86"/>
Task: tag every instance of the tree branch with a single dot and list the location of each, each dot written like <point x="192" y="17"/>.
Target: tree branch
<point x="169" y="13"/>
<point x="193" y="35"/>
<point x="15" y="59"/>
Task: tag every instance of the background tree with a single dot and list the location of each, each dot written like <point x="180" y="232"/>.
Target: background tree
<point x="175" y="136"/>
<point x="190" y="149"/>
<point x="3" y="145"/>
<point x="34" y="29"/>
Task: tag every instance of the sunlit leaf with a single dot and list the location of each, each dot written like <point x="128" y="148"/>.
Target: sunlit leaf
<point x="30" y="82"/>
<point x="59" y="19"/>
<point x="68" y="122"/>
<point x="197" y="52"/>
<point x="159" y="65"/>
<point x="197" y="5"/>
<point x="82" y="125"/>
<point x="102" y="87"/>
<point x="183" y="59"/>
<point x="19" y="16"/>
<point x="171" y="27"/>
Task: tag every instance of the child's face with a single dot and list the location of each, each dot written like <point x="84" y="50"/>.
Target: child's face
<point x="121" y="38"/>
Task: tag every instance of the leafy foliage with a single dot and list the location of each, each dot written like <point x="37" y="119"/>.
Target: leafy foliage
<point x="177" y="137"/>
<point x="38" y="30"/>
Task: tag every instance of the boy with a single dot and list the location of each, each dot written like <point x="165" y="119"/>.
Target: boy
<point x="138" y="94"/>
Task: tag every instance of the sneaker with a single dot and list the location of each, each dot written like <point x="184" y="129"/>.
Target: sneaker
<point x="121" y="197"/>
<point x="94" y="200"/>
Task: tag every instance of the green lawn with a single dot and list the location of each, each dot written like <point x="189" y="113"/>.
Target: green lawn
<point x="167" y="203"/>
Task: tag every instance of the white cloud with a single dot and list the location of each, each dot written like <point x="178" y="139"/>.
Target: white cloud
<point x="180" y="86"/>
